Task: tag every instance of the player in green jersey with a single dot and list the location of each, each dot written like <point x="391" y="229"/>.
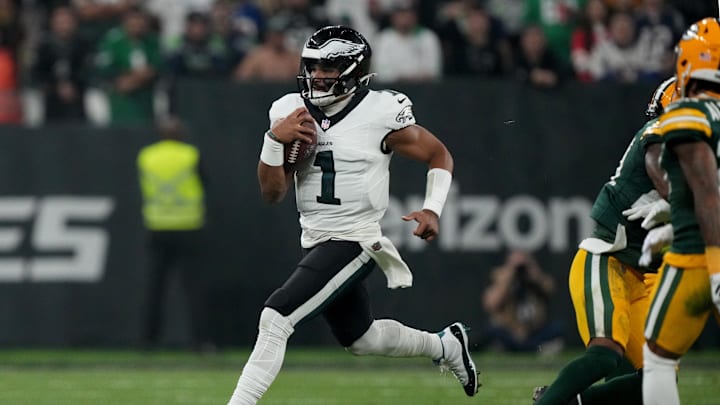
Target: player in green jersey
<point x="609" y="289"/>
<point x="689" y="278"/>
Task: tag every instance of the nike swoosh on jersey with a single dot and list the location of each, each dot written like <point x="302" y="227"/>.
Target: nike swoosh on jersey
<point x="400" y="100"/>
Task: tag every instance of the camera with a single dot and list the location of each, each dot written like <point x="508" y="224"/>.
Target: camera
<point x="521" y="271"/>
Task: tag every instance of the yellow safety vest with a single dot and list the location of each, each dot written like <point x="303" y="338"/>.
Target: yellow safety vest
<point x="173" y="195"/>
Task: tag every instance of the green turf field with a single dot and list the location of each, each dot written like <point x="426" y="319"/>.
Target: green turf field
<point x="310" y="377"/>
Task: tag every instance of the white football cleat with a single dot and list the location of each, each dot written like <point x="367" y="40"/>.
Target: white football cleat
<point x="456" y="357"/>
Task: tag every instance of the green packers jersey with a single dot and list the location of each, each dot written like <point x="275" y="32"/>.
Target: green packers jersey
<point x="626" y="186"/>
<point x="688" y="120"/>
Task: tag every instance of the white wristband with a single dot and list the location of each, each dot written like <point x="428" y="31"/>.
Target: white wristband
<point x="436" y="190"/>
<point x="273" y="152"/>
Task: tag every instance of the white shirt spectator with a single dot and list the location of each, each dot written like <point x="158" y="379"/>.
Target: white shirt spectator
<point x="619" y="57"/>
<point x="414" y="56"/>
<point x="609" y="61"/>
<point x="510" y="12"/>
<point x="653" y="43"/>
<point x="172" y="13"/>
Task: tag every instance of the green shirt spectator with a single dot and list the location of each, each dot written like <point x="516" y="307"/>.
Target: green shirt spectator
<point x="128" y="61"/>
<point x="557" y="19"/>
<point x="97" y="17"/>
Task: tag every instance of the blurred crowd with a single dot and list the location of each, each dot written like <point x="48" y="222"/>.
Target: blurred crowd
<point x="116" y="61"/>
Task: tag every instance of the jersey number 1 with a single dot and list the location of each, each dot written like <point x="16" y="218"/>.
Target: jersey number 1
<point x="327" y="186"/>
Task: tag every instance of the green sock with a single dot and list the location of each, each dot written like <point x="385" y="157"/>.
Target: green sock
<point x="579" y="374"/>
<point x="623" y="390"/>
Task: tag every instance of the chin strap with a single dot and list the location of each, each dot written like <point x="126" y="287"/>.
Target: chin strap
<point x="684" y="80"/>
<point x="365" y="80"/>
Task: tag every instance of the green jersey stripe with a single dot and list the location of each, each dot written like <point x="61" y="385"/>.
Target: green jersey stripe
<point x="608" y="306"/>
<point x="658" y="308"/>
<point x="589" y="313"/>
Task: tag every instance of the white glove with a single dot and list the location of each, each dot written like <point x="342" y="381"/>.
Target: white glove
<point x="659" y="214"/>
<point x="650" y="206"/>
<point x="642" y="205"/>
<point x="654" y="242"/>
<point x="715" y="289"/>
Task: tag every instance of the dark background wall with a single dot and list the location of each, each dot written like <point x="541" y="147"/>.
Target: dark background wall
<point x="528" y="165"/>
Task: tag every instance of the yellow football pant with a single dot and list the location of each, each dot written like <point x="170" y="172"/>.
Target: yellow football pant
<point x="611" y="301"/>
<point x="681" y="303"/>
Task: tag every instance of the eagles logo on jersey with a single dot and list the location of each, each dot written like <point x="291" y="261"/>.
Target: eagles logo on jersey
<point x="405" y="115"/>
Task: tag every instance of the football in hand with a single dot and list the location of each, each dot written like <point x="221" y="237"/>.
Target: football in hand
<point x="298" y="151"/>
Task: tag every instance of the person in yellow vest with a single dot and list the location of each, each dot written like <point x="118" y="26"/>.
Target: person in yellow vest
<point x="174" y="214"/>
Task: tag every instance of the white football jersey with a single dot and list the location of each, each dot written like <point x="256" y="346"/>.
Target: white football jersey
<point x="343" y="191"/>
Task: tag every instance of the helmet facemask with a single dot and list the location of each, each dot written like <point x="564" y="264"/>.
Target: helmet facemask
<point x="663" y="95"/>
<point x="338" y="48"/>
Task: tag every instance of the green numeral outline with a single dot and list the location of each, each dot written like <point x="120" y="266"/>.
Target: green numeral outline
<point x="327" y="186"/>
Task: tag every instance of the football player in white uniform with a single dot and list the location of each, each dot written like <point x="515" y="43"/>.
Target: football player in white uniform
<point x="341" y="194"/>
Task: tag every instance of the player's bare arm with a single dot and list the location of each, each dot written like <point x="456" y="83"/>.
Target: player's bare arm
<point x="273" y="179"/>
<point x="699" y="167"/>
<point x="417" y="143"/>
<point x="654" y="171"/>
<point x="274" y="184"/>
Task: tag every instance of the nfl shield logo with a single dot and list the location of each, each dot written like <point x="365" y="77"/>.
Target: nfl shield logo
<point x="325" y="124"/>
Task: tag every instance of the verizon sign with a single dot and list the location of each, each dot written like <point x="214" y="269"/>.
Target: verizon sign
<point x="487" y="223"/>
